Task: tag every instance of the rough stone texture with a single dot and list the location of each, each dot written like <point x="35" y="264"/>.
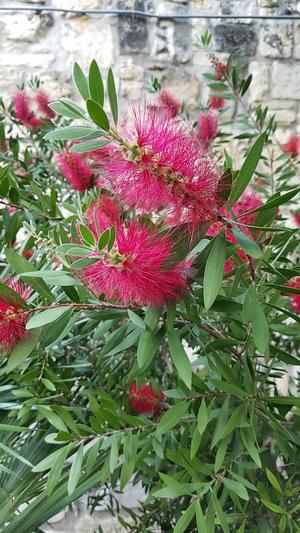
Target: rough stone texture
<point x="240" y="39"/>
<point x="285" y="81"/>
<point x="276" y="39"/>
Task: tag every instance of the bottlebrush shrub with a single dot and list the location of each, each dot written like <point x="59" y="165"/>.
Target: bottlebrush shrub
<point x="138" y="355"/>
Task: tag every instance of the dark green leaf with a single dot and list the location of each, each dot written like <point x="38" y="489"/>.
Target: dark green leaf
<point x="97" y="114"/>
<point x="96" y="86"/>
<point x="214" y="269"/>
<point x="81" y="82"/>
<point x="112" y="96"/>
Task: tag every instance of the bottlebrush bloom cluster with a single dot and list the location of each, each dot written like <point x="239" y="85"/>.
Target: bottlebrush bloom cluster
<point x="168" y="103"/>
<point x="12" y="318"/>
<point x="207" y="126"/>
<point x="247" y="202"/>
<point x="295" y="298"/>
<point x="144" y="399"/>
<point x="292" y="146"/>
<point x="24" y="113"/>
<point x="158" y="163"/>
<point x="216" y="102"/>
<point x="74" y="168"/>
<point x="134" y="270"/>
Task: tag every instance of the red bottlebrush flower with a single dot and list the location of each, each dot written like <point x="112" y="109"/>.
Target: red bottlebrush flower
<point x="103" y="213"/>
<point x="27" y="254"/>
<point x="292" y="146"/>
<point x="12" y="318"/>
<point x="168" y="103"/>
<point x="134" y="270"/>
<point x="296" y="217"/>
<point x="161" y="163"/>
<point x="23" y="112"/>
<point x="144" y="399"/>
<point x="75" y="170"/>
<point x="42" y="100"/>
<point x="217" y="103"/>
<point x="207" y="126"/>
<point x="220" y="69"/>
<point x="247" y="202"/>
<point x="295" y="298"/>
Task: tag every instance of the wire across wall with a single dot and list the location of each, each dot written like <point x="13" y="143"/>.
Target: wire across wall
<point x="144" y="14"/>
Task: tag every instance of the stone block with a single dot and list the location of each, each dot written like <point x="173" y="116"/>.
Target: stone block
<point x="182" y="42"/>
<point x="132" y="30"/>
<point x="297" y="39"/>
<point x="259" y="88"/>
<point x="285" y="81"/>
<point x="24" y="27"/>
<point x="162" y="47"/>
<point x="238" y="38"/>
<point x="38" y="61"/>
<point x="131" y="79"/>
<point x="267" y="3"/>
<point x="183" y="85"/>
<point x="276" y="39"/>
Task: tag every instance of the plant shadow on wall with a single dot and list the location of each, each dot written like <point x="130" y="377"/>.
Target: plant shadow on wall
<point x="149" y="308"/>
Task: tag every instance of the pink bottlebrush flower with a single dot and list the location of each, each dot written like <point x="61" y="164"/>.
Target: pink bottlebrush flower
<point x="12" y="318"/>
<point x="296" y="217"/>
<point x="220" y="69"/>
<point x="247" y="202"/>
<point x="144" y="399"/>
<point x="295" y="298"/>
<point x="207" y="126"/>
<point x="42" y="100"/>
<point x="75" y="170"/>
<point x="161" y="163"/>
<point x="23" y="112"/>
<point x="134" y="270"/>
<point x="103" y="213"/>
<point x="168" y="103"/>
<point x="216" y="102"/>
<point x="292" y="146"/>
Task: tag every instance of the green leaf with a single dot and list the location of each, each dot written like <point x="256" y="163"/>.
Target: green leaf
<point x="214" y="269"/>
<point x="87" y="235"/>
<point x="52" y="417"/>
<point x="248" y="245"/>
<point x="112" y="96"/>
<point x="220" y="424"/>
<point x="273" y="480"/>
<point x="219" y="511"/>
<point x="236" y="420"/>
<point x="68" y="133"/>
<point x="171" y="417"/>
<point x="236" y="487"/>
<point x="148" y="340"/>
<point x="201" y="525"/>
<point x="273" y="506"/>
<point x="47" y="463"/>
<point x="103" y="239"/>
<point x="248" y="169"/>
<point x="114" y="454"/>
<point x="72" y="249"/>
<point x="274" y="202"/>
<point x="130" y="453"/>
<point x="180" y="358"/>
<point x="202" y="417"/>
<point x="185" y="519"/>
<point x="87" y="146"/>
<point x="48" y="384"/>
<point x="253" y="313"/>
<point x="221" y="452"/>
<point x="248" y="440"/>
<point x="9" y="296"/>
<point x="97" y="114"/>
<point x="21" y="266"/>
<point x="81" y="82"/>
<point x="67" y="108"/>
<point x="136" y="319"/>
<point x="56" y="469"/>
<point x="96" y="86"/>
<point x="45" y="317"/>
<point x="22" y="349"/>
<point x="75" y="470"/>
<point x="58" y="329"/>
<point x="14" y="454"/>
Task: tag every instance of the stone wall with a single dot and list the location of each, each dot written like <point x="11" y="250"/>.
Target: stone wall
<point x="48" y="44"/>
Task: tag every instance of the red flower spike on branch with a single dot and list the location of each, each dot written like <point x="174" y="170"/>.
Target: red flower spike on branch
<point x="295" y="298"/>
<point x="75" y="170"/>
<point x="23" y="112"/>
<point x="144" y="399"/>
<point x="12" y="318"/>
<point x="42" y="100"/>
<point x="292" y="146"/>
<point x="168" y="103"/>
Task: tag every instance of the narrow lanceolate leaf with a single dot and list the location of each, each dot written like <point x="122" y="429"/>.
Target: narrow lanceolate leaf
<point x="214" y="269"/>
<point x="180" y="358"/>
<point x="81" y="82"/>
<point x="87" y="146"/>
<point x="75" y="470"/>
<point x="45" y="317"/>
<point x="87" y="235"/>
<point x="200" y="520"/>
<point x="247" y="169"/>
<point x="112" y="96"/>
<point x="57" y="466"/>
<point x="69" y="133"/>
<point x="22" y="350"/>
<point x="185" y="519"/>
<point x="219" y="512"/>
<point x="136" y="319"/>
<point x="236" y="487"/>
<point x="148" y="342"/>
<point x="96" y="86"/>
<point x="248" y="245"/>
<point x="202" y="417"/>
<point x="171" y="418"/>
<point x="97" y="114"/>
<point x="13" y="453"/>
<point x="9" y="296"/>
<point x="253" y="313"/>
<point x="248" y="440"/>
<point x="273" y="480"/>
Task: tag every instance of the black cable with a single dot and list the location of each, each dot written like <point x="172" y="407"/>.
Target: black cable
<point x="144" y="14"/>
